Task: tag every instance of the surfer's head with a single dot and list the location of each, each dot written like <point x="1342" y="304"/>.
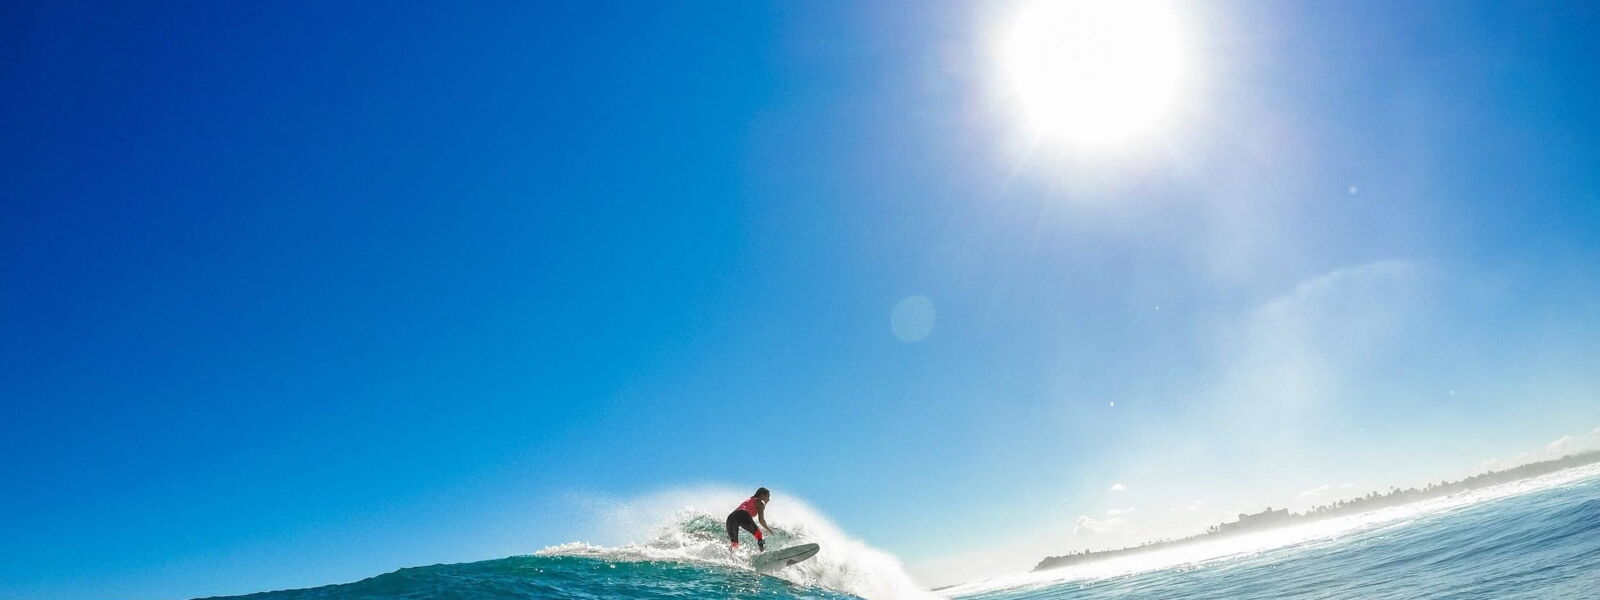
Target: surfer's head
<point x="763" y="494"/>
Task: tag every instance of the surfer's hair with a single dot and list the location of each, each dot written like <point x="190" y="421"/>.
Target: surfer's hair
<point x="762" y="492"/>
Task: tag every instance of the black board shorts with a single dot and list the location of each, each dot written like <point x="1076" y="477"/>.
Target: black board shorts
<point x="739" y="519"/>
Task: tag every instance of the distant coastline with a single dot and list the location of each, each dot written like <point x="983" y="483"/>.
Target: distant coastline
<point x="1269" y="518"/>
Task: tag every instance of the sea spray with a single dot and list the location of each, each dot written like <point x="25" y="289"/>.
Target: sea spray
<point x="1537" y="539"/>
<point x="686" y="525"/>
<point x="561" y="578"/>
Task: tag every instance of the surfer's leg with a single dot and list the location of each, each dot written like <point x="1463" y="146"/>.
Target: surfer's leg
<point x="733" y="528"/>
<point x="749" y="524"/>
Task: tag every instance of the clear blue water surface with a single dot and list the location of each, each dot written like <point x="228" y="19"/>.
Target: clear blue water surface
<point x="1544" y="544"/>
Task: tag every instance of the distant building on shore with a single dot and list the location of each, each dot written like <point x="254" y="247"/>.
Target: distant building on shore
<point x="1261" y="520"/>
<point x="1270" y="518"/>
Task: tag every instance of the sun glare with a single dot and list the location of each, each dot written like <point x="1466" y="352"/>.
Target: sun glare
<point x="1095" y="71"/>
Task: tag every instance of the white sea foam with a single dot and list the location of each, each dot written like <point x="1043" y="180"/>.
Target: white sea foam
<point x="686" y="525"/>
<point x="1235" y="547"/>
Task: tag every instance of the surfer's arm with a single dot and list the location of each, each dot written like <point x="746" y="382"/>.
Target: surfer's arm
<point x="761" y="515"/>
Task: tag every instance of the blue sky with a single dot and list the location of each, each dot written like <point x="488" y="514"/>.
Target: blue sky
<point x="298" y="293"/>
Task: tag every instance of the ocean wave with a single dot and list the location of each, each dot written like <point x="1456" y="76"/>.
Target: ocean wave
<point x="1527" y="539"/>
<point x="686" y="531"/>
<point x="560" y="578"/>
<point x="1350" y="537"/>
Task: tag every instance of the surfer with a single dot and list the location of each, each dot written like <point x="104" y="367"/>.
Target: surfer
<point x="745" y="518"/>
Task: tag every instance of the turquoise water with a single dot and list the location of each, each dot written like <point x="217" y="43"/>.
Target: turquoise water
<point x="1543" y="543"/>
<point x="561" y="577"/>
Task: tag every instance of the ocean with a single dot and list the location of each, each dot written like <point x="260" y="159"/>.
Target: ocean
<point x="1538" y="538"/>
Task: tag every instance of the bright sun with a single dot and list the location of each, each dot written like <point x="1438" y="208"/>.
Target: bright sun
<point x="1095" y="72"/>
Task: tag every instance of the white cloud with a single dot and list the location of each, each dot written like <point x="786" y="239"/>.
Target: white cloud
<point x="1087" y="525"/>
<point x="1568" y="444"/>
<point x="1118" y="511"/>
<point x="1316" y="492"/>
<point x="1563" y="446"/>
<point x="1117" y="487"/>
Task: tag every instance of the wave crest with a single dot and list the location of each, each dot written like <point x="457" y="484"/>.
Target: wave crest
<point x="683" y="528"/>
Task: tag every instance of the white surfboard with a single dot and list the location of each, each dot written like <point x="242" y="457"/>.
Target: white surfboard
<point x="778" y="559"/>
